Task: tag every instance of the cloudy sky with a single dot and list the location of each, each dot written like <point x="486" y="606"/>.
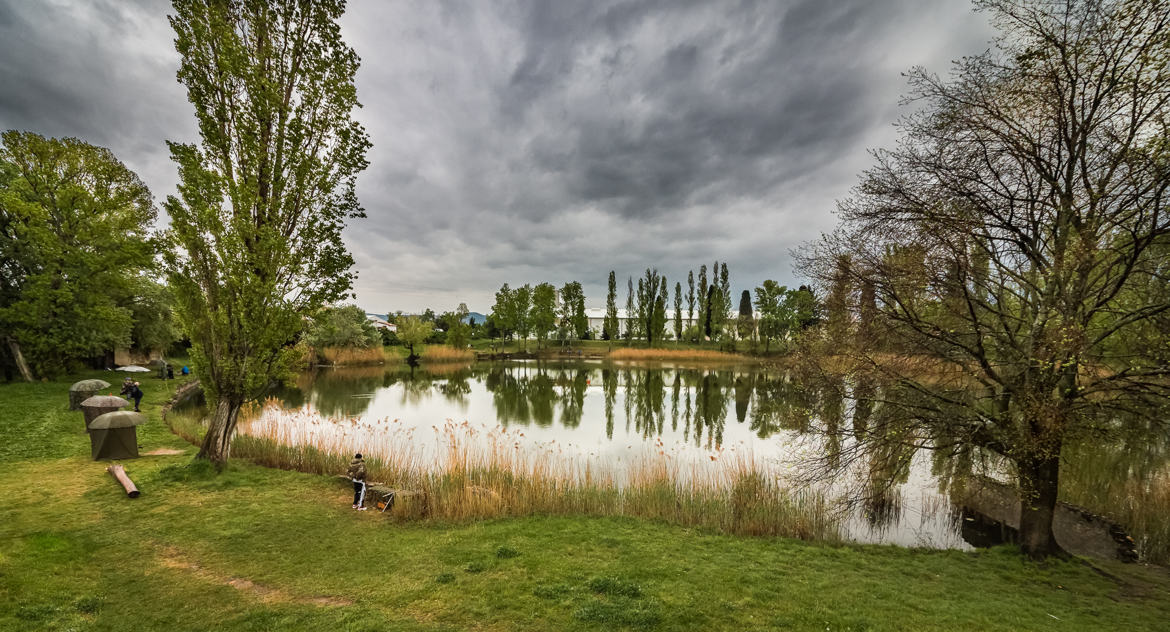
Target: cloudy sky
<point x="521" y="141"/>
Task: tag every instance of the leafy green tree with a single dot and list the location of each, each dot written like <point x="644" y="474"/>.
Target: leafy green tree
<point x="805" y="309"/>
<point x="690" y="297"/>
<point x="153" y="313"/>
<point x="704" y="321"/>
<point x="631" y="318"/>
<point x="75" y="245"/>
<point x="746" y="324"/>
<point x="573" y="322"/>
<point x="413" y="332"/>
<point x="721" y="302"/>
<point x="609" y="326"/>
<point x="658" y="322"/>
<point x="774" y="320"/>
<point x="343" y="326"/>
<point x="650" y="290"/>
<point x="256" y="228"/>
<point x="678" y="325"/>
<point x="458" y="329"/>
<point x="503" y="315"/>
<point x="711" y="326"/>
<point x="544" y="312"/>
<point x="521" y="314"/>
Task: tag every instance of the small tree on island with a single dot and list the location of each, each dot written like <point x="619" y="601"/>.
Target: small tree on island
<point x="256" y="228"/>
<point x="413" y="332"/>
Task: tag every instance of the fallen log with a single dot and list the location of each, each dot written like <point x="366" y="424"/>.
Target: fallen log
<point x="119" y="474"/>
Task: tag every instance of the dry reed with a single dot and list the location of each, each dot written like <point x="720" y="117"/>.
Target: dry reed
<point x="337" y="356"/>
<point x="1104" y="483"/>
<point x="464" y="472"/>
<point x="667" y="355"/>
<point x="447" y="354"/>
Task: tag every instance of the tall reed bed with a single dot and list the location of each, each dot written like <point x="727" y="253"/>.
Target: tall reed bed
<point x="675" y="354"/>
<point x="1131" y="487"/>
<point x="354" y="356"/>
<point x="463" y="472"/>
<point x="447" y="354"/>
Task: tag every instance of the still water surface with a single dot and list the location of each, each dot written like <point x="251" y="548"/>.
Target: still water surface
<point x="609" y="417"/>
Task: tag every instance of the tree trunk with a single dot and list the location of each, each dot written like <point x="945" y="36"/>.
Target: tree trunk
<point x="218" y="440"/>
<point x="18" y="357"/>
<point x="1039" y="483"/>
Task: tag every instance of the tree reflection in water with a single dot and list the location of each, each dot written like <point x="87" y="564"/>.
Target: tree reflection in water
<point x="774" y="413"/>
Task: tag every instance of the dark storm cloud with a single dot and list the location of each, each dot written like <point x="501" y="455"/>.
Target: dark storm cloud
<point x="528" y="141"/>
<point x="103" y="72"/>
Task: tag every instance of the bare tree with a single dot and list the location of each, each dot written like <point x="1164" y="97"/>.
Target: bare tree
<point x="1012" y="251"/>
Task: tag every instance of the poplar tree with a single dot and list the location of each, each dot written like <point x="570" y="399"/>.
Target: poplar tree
<point x="609" y="326"/>
<point x="702" y="300"/>
<point x="631" y="321"/>
<point x="690" y="297"/>
<point x="264" y="196"/>
<point x="678" y="328"/>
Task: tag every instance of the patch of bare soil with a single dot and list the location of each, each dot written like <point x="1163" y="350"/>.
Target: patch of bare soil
<point x="163" y="452"/>
<point x="174" y="559"/>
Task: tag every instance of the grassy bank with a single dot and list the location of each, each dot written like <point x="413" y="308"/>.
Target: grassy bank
<point x="263" y="549"/>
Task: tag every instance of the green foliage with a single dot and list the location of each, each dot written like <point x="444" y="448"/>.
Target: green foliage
<point x="256" y="228"/>
<point x="609" y="326"/>
<point x="678" y="323"/>
<point x="344" y="326"/>
<point x="75" y="249"/>
<point x="703" y="304"/>
<point x="745" y="325"/>
<point x="633" y="323"/>
<point x="651" y="306"/>
<point x="458" y="330"/>
<point x="573" y="323"/>
<point x="543" y="316"/>
<point x="153" y="313"/>
<point x="774" y="318"/>
<point x="413" y="331"/>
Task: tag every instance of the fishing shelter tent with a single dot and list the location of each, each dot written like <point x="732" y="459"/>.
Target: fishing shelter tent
<point x="94" y="407"/>
<point x="114" y="435"/>
<point x="83" y="390"/>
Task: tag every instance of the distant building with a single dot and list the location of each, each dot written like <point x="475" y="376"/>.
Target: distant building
<point x="381" y="323"/>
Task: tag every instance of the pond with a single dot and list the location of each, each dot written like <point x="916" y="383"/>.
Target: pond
<point x="609" y="420"/>
<point x="603" y="418"/>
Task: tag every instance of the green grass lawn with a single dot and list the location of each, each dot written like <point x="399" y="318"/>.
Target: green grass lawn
<point x="259" y="549"/>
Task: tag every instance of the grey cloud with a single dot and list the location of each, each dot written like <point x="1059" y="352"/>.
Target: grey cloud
<point x="521" y="141"/>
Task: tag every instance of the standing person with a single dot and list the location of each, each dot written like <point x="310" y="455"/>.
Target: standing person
<point x="136" y="393"/>
<point x="357" y="473"/>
